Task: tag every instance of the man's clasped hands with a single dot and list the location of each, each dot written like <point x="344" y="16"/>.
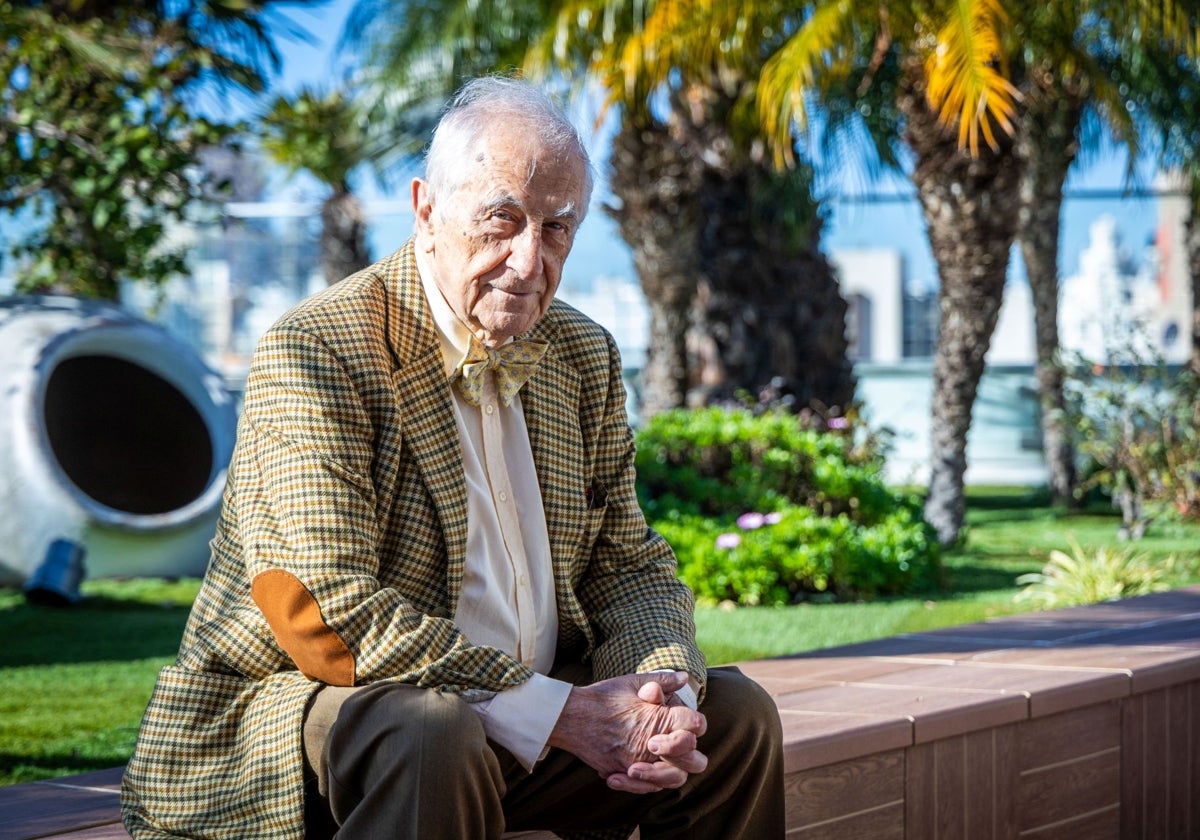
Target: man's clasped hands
<point x="634" y="730"/>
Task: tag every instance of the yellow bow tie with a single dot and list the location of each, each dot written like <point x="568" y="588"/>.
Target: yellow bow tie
<point x="513" y="364"/>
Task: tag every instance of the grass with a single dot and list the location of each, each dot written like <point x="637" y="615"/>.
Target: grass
<point x="73" y="682"/>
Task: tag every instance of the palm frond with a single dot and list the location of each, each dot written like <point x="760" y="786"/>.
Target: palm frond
<point x="966" y="74"/>
<point x="794" y="70"/>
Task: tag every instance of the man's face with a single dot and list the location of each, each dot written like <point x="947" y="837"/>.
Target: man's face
<point x="497" y="243"/>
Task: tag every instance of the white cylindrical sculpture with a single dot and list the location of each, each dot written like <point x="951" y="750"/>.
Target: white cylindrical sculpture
<point x="113" y="435"/>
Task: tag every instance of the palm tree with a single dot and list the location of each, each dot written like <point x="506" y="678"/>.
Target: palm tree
<point x="1047" y="145"/>
<point x="325" y="136"/>
<point x="1074" y="62"/>
<point x="947" y="67"/>
<point x="680" y="179"/>
<point x="1193" y="251"/>
<point x="761" y="301"/>
<point x="656" y="177"/>
<point x="942" y="65"/>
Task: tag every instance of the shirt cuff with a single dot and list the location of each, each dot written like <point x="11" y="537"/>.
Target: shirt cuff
<point x="521" y="719"/>
<point x="687" y="693"/>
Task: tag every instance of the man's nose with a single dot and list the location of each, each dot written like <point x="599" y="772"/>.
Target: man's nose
<point x="525" y="256"/>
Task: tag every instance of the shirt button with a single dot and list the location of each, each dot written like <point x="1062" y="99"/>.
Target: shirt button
<point x="489" y="408"/>
<point x="524" y="581"/>
<point x="503" y="496"/>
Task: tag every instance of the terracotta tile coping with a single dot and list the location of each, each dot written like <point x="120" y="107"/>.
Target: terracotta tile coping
<point x="847" y="702"/>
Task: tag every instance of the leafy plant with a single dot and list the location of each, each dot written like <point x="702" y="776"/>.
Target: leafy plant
<point x="1139" y="424"/>
<point x="797" y="555"/>
<point x="1081" y="577"/>
<point x="773" y="508"/>
<point x="723" y="462"/>
<point x="101" y="133"/>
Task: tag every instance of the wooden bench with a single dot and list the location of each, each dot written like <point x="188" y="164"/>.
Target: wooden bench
<point x="1074" y="723"/>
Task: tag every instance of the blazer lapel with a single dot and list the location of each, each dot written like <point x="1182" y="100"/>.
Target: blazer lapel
<point x="551" y="402"/>
<point x="427" y="415"/>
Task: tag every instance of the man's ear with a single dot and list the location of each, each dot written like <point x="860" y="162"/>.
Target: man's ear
<point x="423" y="211"/>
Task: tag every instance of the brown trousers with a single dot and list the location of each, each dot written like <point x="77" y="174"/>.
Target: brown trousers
<point x="397" y="761"/>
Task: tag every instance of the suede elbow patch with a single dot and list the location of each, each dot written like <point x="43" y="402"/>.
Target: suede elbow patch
<point x="295" y="618"/>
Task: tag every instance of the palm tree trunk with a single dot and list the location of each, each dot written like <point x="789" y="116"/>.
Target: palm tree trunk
<point x="654" y="177"/>
<point x="727" y="253"/>
<point x="770" y="312"/>
<point x="343" y="236"/>
<point x="1046" y="148"/>
<point x="970" y="208"/>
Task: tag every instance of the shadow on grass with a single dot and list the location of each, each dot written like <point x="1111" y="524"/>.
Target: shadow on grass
<point x="15" y="768"/>
<point x="98" y="629"/>
<point x="1008" y="498"/>
<point x="970" y="578"/>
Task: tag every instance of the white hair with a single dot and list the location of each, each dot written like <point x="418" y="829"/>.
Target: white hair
<point x="482" y="103"/>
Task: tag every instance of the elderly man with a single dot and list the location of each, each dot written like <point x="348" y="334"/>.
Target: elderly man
<point x="434" y="609"/>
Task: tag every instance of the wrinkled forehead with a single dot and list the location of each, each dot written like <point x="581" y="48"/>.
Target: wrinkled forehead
<point x="504" y="165"/>
<point x="520" y="150"/>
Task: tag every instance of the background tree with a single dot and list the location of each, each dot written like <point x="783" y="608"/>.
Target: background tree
<point x="761" y="301"/>
<point x="1055" y="92"/>
<point x="1193" y="252"/>
<point x="942" y="65"/>
<point x="1065" y="65"/>
<point x="325" y="135"/>
<point x="100" y="132"/>
<point x="948" y="66"/>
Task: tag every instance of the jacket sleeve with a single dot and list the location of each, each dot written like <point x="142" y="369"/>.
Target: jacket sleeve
<point x="309" y="527"/>
<point x="642" y="614"/>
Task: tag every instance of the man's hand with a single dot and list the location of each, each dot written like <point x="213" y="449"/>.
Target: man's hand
<point x="629" y="729"/>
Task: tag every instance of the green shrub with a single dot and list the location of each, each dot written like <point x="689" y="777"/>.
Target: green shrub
<point x="1083" y="578"/>
<point x="718" y="462"/>
<point x="798" y="554"/>
<point x="770" y="509"/>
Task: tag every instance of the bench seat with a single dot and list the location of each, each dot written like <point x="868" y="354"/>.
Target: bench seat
<point x="1082" y="722"/>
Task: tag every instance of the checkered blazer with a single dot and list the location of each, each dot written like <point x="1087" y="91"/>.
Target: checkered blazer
<point x="340" y="549"/>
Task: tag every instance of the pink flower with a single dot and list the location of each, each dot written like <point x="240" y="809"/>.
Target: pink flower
<point x="728" y="541"/>
<point x="751" y="521"/>
<point x="838" y="423"/>
<point x="773" y="518"/>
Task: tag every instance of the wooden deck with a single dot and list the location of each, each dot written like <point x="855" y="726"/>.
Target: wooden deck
<point x="1080" y="723"/>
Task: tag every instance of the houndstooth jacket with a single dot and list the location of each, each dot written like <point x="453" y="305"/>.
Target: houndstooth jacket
<point x="340" y="548"/>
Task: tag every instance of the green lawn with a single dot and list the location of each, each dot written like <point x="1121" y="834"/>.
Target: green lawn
<point x="73" y="682"/>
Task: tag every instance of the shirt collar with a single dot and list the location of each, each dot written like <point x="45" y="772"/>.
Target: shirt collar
<point x="453" y="335"/>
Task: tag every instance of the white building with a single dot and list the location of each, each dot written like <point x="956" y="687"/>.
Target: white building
<point x="618" y="305"/>
<point x="1119" y="307"/>
<point x="1014" y="340"/>
<point x="872" y="282"/>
